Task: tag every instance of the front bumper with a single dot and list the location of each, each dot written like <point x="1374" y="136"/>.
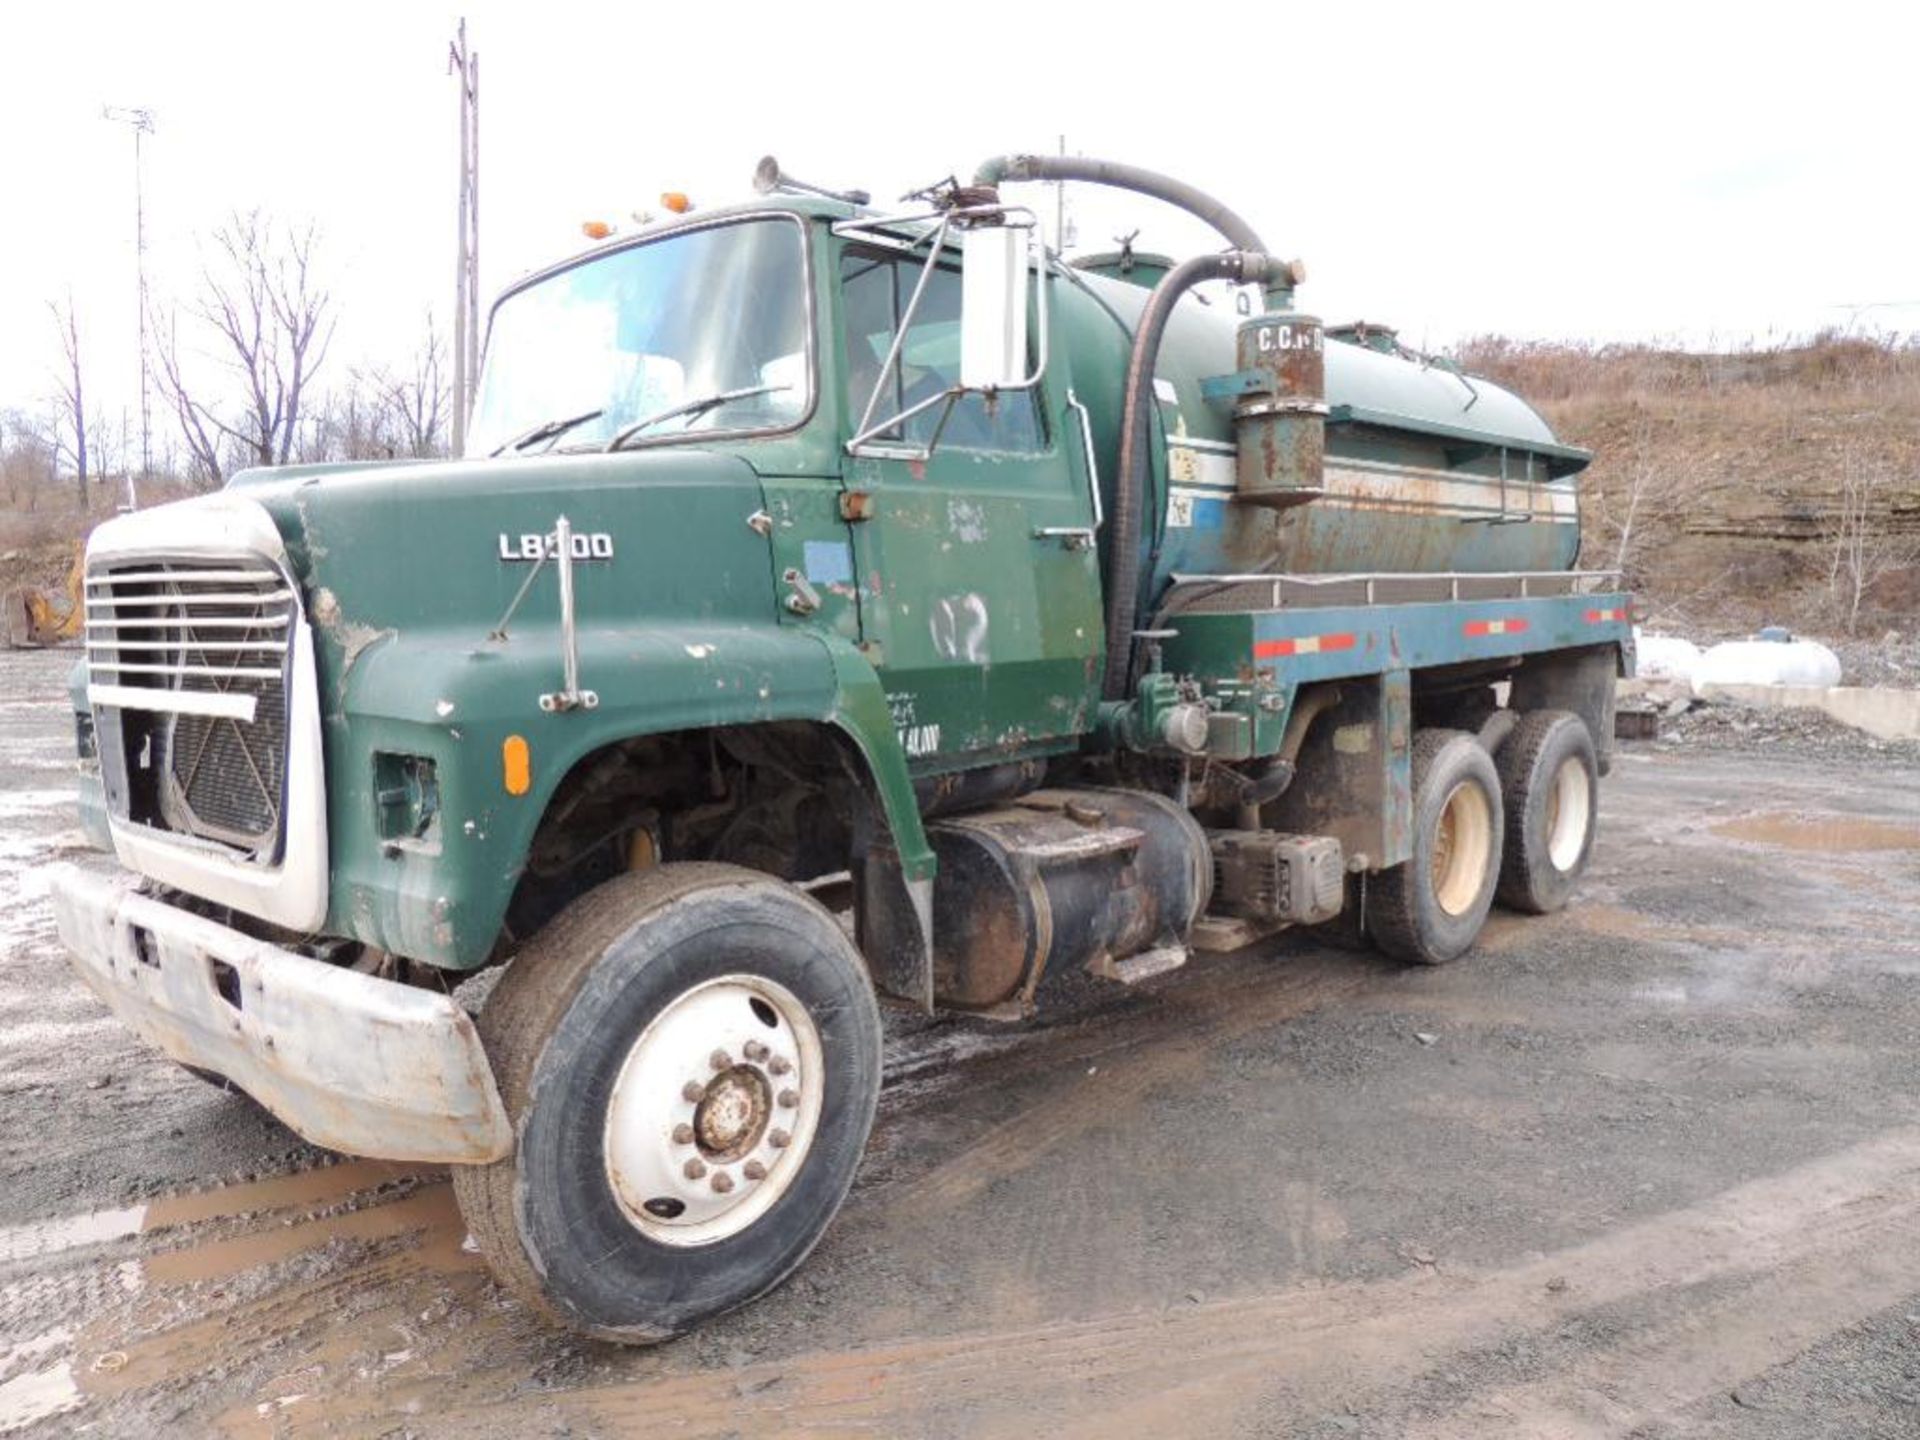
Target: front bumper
<point x="355" y="1063"/>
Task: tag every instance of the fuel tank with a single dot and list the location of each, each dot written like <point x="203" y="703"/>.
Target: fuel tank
<point x="1059" y="878"/>
<point x="1424" y="468"/>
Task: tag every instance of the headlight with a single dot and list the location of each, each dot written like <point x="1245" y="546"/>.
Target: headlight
<point x="406" y="794"/>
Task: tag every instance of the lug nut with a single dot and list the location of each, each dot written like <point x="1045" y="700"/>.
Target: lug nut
<point x="720" y="1060"/>
<point x="694" y="1169"/>
<point x="722" y="1182"/>
<point x="754" y="1170"/>
<point x="756" y="1052"/>
<point x="780" y="1065"/>
<point x="683" y="1134"/>
<point x="789" y="1099"/>
<point x="693" y="1092"/>
<point x="779" y="1139"/>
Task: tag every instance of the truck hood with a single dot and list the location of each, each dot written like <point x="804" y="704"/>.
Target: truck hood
<point x="444" y="548"/>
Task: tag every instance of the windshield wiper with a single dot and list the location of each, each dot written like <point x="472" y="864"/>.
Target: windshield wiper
<point x="545" y="430"/>
<point x="689" y="408"/>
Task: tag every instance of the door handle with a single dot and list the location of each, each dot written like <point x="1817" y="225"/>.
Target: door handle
<point x="805" y="599"/>
<point x="1074" y="537"/>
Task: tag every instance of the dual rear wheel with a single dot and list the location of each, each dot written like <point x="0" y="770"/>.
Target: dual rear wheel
<point x="1518" y="828"/>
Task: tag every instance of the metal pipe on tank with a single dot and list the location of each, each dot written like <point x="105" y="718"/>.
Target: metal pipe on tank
<point x="1112" y="173"/>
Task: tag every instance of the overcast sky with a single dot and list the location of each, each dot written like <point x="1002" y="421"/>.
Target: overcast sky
<point x="1703" y="173"/>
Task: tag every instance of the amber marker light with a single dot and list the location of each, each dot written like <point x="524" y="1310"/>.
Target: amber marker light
<point x="596" y="229"/>
<point x="516" y="764"/>
<point x="676" y="201"/>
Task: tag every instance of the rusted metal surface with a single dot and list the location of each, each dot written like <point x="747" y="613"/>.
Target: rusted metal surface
<point x="1353" y="782"/>
<point x="1281" y="427"/>
<point x="367" y="1066"/>
<point x="1064" y="877"/>
<point x="1272" y="879"/>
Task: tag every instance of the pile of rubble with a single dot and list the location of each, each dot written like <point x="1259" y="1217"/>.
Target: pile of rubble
<point x="1667" y="717"/>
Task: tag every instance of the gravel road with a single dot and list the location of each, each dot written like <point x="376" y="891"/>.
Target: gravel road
<point x="1649" y="1167"/>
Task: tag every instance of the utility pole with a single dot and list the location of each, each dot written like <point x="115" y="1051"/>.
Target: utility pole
<point x="466" y="304"/>
<point x="140" y="121"/>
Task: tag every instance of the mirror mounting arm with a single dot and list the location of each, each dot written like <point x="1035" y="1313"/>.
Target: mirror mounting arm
<point x="971" y="220"/>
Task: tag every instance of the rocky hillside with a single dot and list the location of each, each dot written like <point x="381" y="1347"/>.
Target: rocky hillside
<point x="1763" y="485"/>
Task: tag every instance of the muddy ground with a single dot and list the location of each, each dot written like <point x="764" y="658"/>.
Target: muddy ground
<point x="1648" y="1167"/>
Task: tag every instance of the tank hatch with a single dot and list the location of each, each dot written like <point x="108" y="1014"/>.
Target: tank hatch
<point x="1368" y="334"/>
<point x="1137" y="267"/>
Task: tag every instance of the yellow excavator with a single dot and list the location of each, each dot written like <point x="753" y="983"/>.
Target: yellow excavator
<point x="32" y="615"/>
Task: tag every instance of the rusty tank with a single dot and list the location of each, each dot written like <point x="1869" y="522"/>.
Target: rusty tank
<point x="1282" y="445"/>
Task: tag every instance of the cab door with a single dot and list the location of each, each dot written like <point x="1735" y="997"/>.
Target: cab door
<point x="979" y="584"/>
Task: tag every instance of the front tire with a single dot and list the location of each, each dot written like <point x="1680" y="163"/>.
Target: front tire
<point x="1430" y="909"/>
<point x="690" y="1056"/>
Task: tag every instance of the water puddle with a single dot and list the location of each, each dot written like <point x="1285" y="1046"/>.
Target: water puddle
<point x="42" y="1239"/>
<point x="1830" y="834"/>
<point x="430" y="1208"/>
<point x="293" y="1314"/>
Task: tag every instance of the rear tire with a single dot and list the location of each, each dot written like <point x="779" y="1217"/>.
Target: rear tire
<point x="610" y="1215"/>
<point x="1550" y="783"/>
<point x="1430" y="909"/>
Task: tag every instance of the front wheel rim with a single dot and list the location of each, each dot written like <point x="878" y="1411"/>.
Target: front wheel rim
<point x="1462" y="848"/>
<point x="714" y="1110"/>
<point x="1569" y="810"/>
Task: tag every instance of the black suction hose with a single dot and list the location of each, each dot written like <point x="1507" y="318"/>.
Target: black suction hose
<point x="1136" y="436"/>
<point x="1247" y="263"/>
<point x="1122" y="177"/>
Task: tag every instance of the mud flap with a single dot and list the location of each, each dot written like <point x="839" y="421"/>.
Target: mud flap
<point x="893" y="923"/>
<point x="1578" y="680"/>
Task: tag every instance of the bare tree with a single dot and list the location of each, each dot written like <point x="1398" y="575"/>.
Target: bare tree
<point x="1634" y="501"/>
<point x="416" y="402"/>
<point x="27" y="459"/>
<point x="1864" y="547"/>
<point x="271" y="321"/>
<point x="206" y="464"/>
<point x="73" y="399"/>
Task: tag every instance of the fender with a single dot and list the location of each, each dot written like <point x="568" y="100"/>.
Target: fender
<point x="441" y="899"/>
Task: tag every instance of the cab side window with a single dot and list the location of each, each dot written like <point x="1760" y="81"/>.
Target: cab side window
<point x="875" y="288"/>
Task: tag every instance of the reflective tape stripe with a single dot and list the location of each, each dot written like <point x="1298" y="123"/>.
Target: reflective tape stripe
<point x="1495" y="627"/>
<point x="1304" y="645"/>
<point x="1601" y="617"/>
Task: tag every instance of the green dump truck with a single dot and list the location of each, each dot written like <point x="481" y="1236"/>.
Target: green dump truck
<point x="832" y="605"/>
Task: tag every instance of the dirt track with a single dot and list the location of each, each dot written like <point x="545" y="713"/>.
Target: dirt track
<point x="1649" y="1167"/>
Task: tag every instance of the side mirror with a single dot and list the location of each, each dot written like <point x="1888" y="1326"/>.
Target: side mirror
<point x="993" y="307"/>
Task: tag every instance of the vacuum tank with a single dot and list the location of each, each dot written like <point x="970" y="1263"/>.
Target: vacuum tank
<point x="1418" y="468"/>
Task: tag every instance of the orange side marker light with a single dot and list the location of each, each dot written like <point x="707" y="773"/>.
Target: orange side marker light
<point x="516" y="764"/>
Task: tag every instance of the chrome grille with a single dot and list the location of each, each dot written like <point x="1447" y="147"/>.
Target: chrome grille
<point x="193" y="655"/>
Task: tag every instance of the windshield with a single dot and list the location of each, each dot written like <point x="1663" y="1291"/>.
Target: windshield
<point x="637" y="332"/>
